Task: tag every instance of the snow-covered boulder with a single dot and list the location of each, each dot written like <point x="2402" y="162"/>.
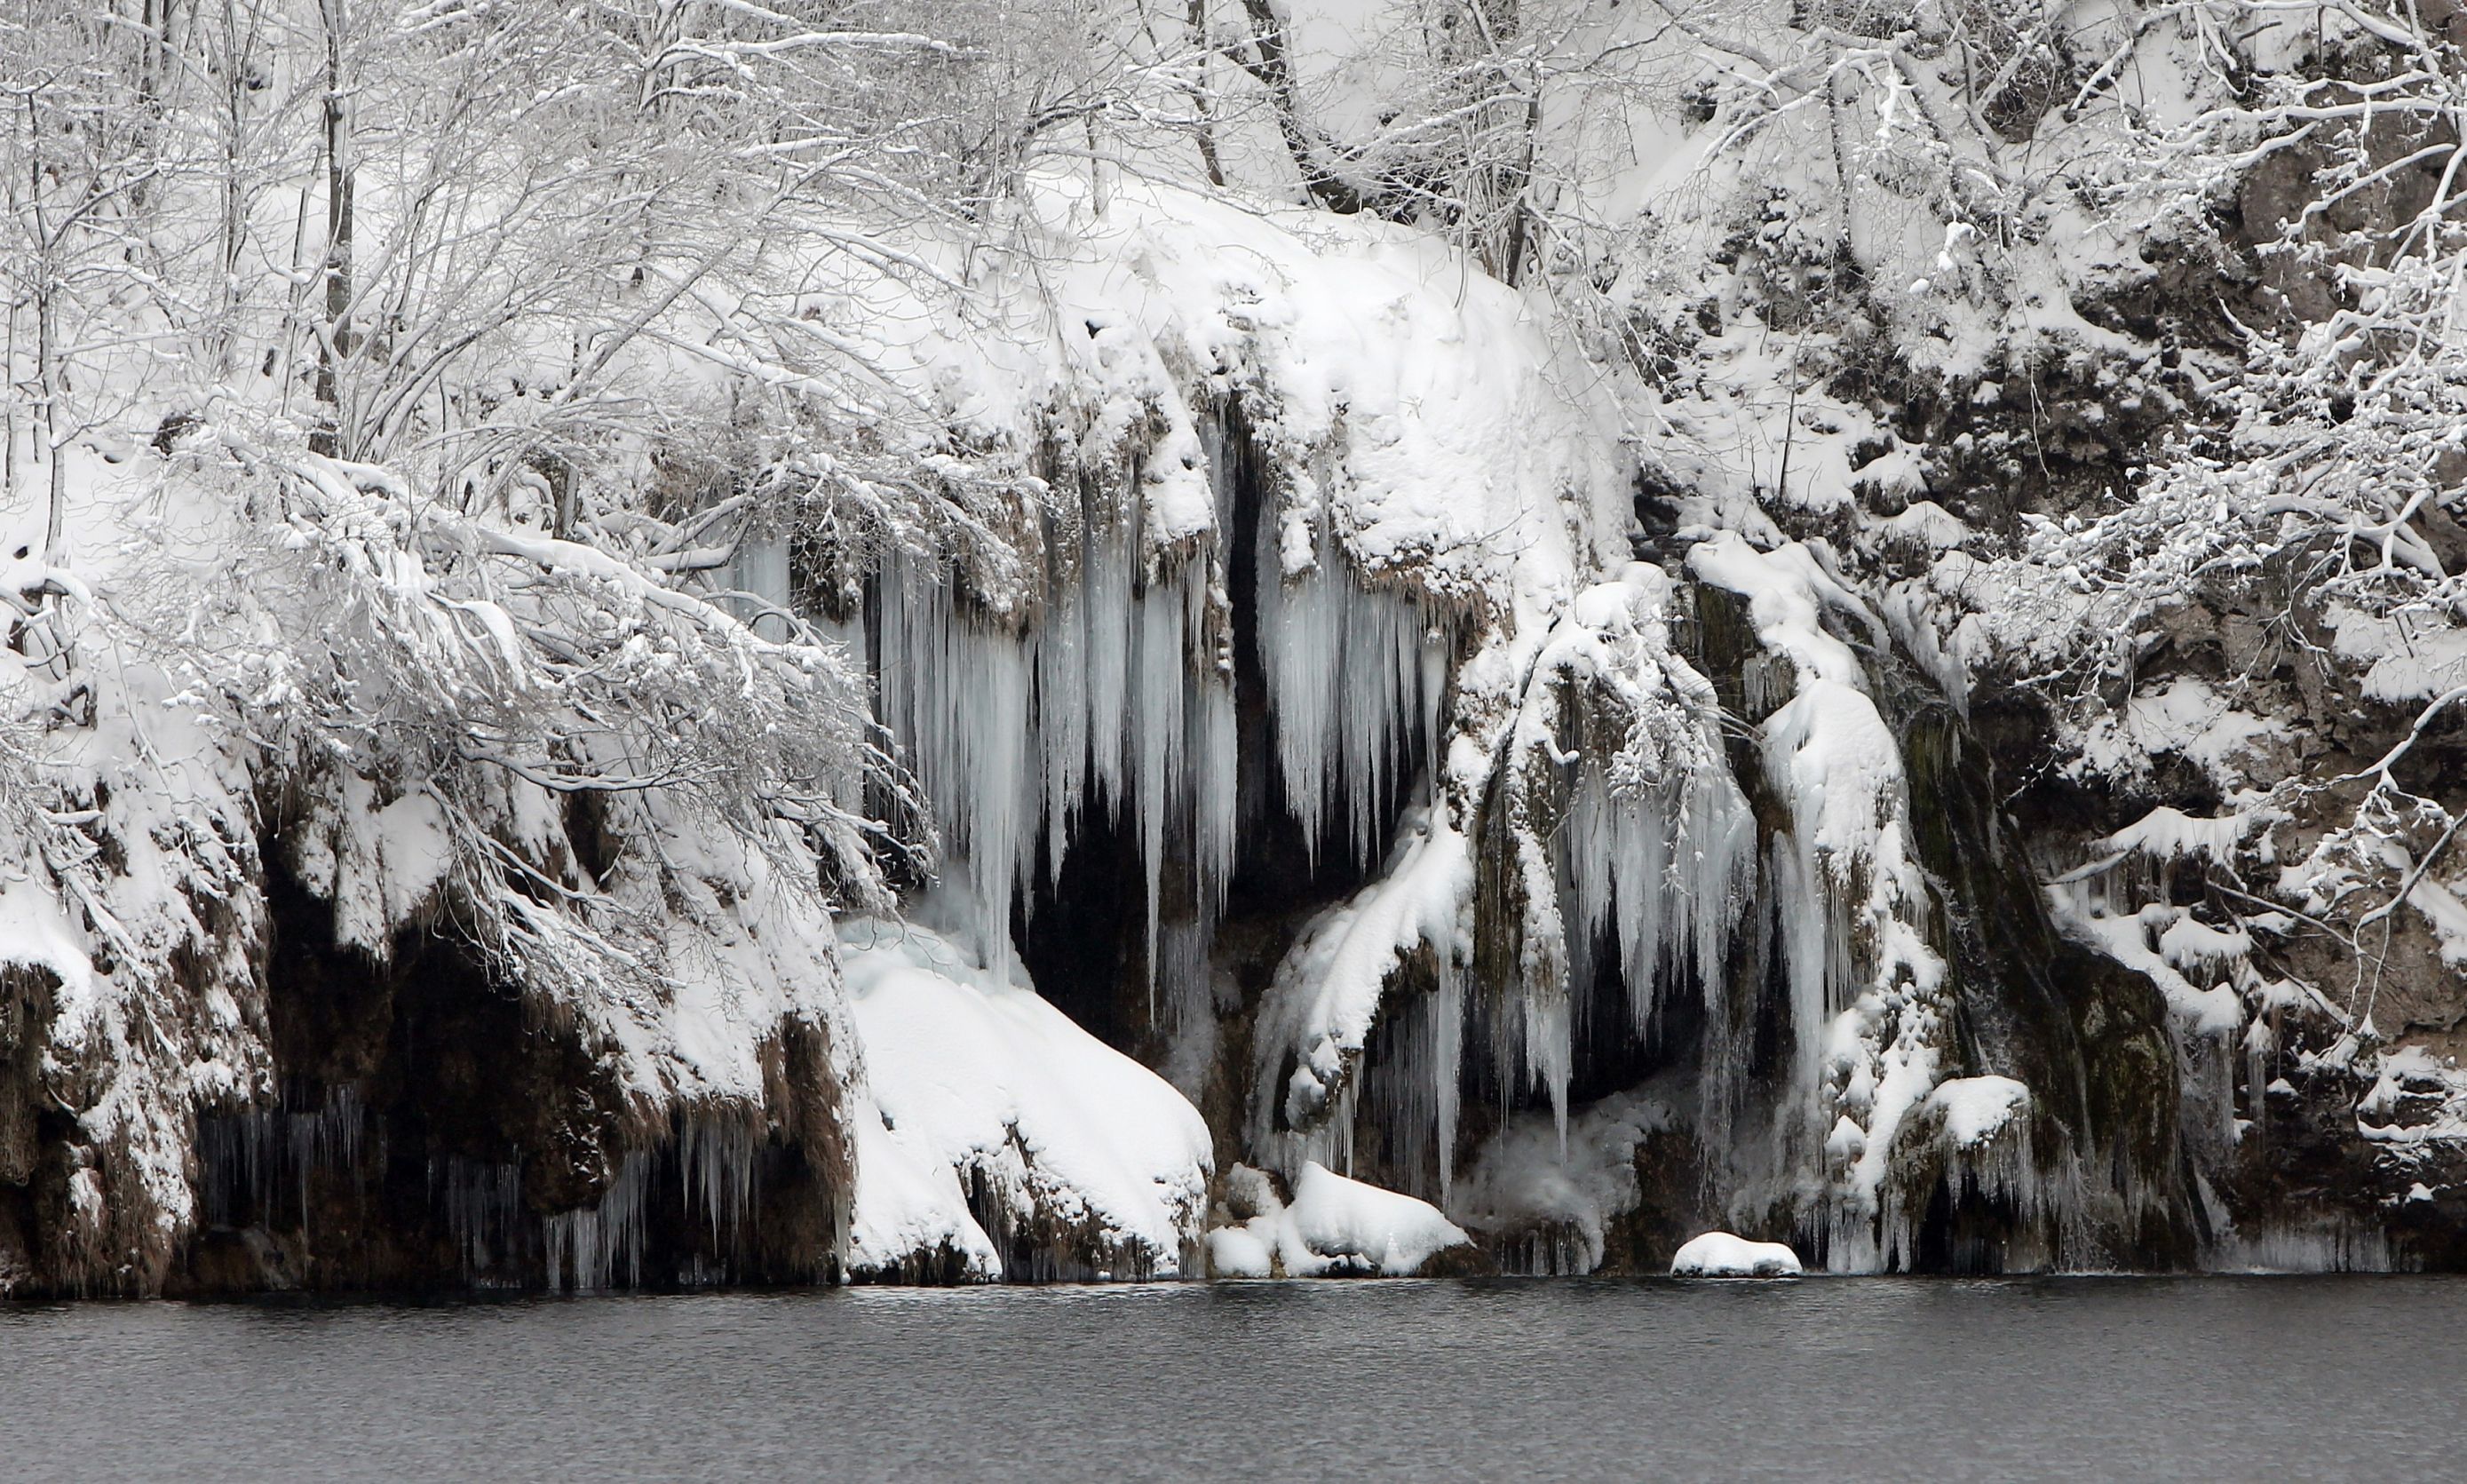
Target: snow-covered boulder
<point x="1333" y="1228"/>
<point x="1093" y="1165"/>
<point x="1717" y="1254"/>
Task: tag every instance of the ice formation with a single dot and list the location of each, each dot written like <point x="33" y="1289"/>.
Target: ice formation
<point x="1327" y="995"/>
<point x="1847" y="898"/>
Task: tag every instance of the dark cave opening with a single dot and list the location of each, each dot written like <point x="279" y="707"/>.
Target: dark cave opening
<point x="430" y="1125"/>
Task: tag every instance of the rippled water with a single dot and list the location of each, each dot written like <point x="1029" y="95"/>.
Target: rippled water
<point x="1820" y="1378"/>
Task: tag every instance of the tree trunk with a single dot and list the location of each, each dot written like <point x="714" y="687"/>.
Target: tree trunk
<point x="334" y="336"/>
<point x="1268" y="62"/>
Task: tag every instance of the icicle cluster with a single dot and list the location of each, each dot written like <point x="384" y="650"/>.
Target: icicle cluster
<point x="716" y="1170"/>
<point x="245" y="1160"/>
<point x="1629" y="832"/>
<point x="484" y="1213"/>
<point x="1111" y="702"/>
<point x="588" y="1249"/>
<point x="1625" y="837"/>
<point x="1661" y="879"/>
<point x="1352" y="673"/>
<point x="1119" y="695"/>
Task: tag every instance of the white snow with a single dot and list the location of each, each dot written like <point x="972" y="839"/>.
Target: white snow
<point x="1976" y="1108"/>
<point x="2188" y="716"/>
<point x="2169" y="834"/>
<point x="1327" y="994"/>
<point x="1333" y="1226"/>
<point x="1717" y="1254"/>
<point x="2412" y="656"/>
<point x="972" y="1076"/>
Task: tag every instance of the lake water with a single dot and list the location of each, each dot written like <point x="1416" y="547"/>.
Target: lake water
<point x="1822" y="1378"/>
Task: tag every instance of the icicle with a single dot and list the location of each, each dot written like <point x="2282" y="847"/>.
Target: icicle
<point x="482" y="1207"/>
<point x="1216" y="773"/>
<point x="1106" y="579"/>
<point x="1160" y="684"/>
<point x="847" y="789"/>
<point x="715" y="1170"/>
<point x="1353" y="675"/>
<point x="1447" y="1064"/>
<point x="957" y="695"/>
<point x="1062" y="715"/>
<point x="584" y="1245"/>
<point x="756" y="581"/>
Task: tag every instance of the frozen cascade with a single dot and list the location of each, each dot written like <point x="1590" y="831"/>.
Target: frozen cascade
<point x="1353" y="670"/>
<point x="590" y="1248"/>
<point x="600" y="1246"/>
<point x="1326" y="996"/>
<point x="849" y="635"/>
<point x="1014" y="737"/>
<point x="1416" y="1096"/>
<point x="716" y="1153"/>
<point x="1847" y="898"/>
<point x="1639" y="841"/>
<point x="1627" y="830"/>
<point x="1414" y="496"/>
<point x="1662" y="877"/>
<point x="1973" y="1135"/>
<point x="754" y="584"/>
<point x="1117" y="693"/>
<point x="255" y="1155"/>
<point x="484" y="1212"/>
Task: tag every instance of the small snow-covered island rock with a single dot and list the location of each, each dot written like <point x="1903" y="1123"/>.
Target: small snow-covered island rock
<point x="1717" y="1254"/>
<point x="686" y="643"/>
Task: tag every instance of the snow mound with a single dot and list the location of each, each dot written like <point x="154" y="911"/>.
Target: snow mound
<point x="1977" y="1108"/>
<point x="1717" y="1254"/>
<point x="1090" y="1165"/>
<point x="1334" y="1227"/>
<point x="1326" y="998"/>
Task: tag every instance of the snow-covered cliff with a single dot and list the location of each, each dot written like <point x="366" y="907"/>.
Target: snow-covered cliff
<point x="1816" y="674"/>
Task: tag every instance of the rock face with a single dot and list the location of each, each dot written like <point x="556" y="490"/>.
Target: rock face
<point x="1311" y="791"/>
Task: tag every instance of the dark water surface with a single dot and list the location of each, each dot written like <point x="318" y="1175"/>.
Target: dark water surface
<point x="1823" y="1379"/>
